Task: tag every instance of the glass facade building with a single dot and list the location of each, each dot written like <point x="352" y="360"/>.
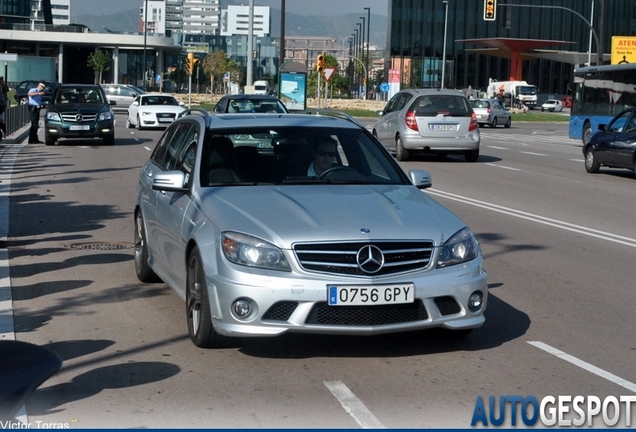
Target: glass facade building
<point x="415" y="42"/>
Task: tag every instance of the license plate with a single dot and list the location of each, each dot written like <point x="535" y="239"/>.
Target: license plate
<point x="350" y="295"/>
<point x="165" y="120"/>
<point x="444" y="127"/>
<point x="80" y="127"/>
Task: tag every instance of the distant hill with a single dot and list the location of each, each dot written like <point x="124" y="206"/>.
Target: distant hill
<point x="339" y="27"/>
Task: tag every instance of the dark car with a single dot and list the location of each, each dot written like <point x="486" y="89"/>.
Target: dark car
<point x="21" y="95"/>
<point x="614" y="145"/>
<point x="250" y="103"/>
<point x="79" y="111"/>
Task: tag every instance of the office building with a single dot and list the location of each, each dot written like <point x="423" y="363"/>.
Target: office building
<point x="543" y="40"/>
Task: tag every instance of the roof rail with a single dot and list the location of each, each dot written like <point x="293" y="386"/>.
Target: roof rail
<point x="331" y="113"/>
<point x="200" y="111"/>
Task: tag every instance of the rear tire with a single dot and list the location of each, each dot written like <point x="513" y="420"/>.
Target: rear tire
<point x="472" y="155"/>
<point x="494" y="123"/>
<point x="401" y="153"/>
<point x="198" y="312"/>
<point x="142" y="268"/>
<point x="587" y="133"/>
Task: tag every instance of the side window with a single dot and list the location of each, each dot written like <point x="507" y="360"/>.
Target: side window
<point x="159" y="153"/>
<point x="184" y="134"/>
<point x="390" y="107"/>
<point x="631" y="124"/>
<point x="403" y="101"/>
<point x="619" y="124"/>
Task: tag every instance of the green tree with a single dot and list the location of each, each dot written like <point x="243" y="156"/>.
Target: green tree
<point x="217" y="64"/>
<point x="99" y="60"/>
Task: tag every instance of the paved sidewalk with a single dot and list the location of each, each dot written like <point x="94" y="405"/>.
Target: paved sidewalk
<point x="17" y="137"/>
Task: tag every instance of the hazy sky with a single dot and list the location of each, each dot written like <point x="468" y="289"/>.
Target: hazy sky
<point x="300" y="7"/>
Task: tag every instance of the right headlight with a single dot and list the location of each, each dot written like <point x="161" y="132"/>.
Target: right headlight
<point x="461" y="247"/>
<point x="251" y="251"/>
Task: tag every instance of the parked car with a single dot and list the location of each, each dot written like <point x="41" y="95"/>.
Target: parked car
<point x="614" y="145"/>
<point x="122" y="94"/>
<point x="249" y="103"/>
<point x="153" y="110"/>
<point x="79" y="111"/>
<point x="257" y="245"/>
<point x="429" y="121"/>
<point x="491" y="112"/>
<point x="552" y="105"/>
<point x="21" y="95"/>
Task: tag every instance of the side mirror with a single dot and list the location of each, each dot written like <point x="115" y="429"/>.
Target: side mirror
<point x="421" y="179"/>
<point x="174" y="181"/>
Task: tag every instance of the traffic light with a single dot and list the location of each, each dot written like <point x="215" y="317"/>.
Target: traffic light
<point x="320" y="62"/>
<point x="490" y="10"/>
<point x="189" y="64"/>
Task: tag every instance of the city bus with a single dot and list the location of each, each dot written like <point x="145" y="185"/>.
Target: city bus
<point x="599" y="93"/>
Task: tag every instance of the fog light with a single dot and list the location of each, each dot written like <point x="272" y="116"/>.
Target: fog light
<point x="242" y="308"/>
<point x="475" y="301"/>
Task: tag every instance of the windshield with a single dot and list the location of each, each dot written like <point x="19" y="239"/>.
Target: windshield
<point x="297" y="156"/>
<point x="527" y="90"/>
<point x="79" y="95"/>
<point x="159" y="100"/>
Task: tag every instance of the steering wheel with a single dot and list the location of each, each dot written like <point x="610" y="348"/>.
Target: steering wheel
<point x="339" y="169"/>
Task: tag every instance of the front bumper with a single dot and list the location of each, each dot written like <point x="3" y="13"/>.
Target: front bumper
<point x="99" y="129"/>
<point x="297" y="302"/>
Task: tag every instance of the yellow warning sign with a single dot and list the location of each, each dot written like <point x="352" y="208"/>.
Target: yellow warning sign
<point x="623" y="49"/>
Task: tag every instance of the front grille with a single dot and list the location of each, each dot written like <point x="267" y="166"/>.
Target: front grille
<point x="73" y="118"/>
<point x="341" y="258"/>
<point x="324" y="314"/>
<point x="280" y="311"/>
<point x="447" y="305"/>
<point x="166" y="115"/>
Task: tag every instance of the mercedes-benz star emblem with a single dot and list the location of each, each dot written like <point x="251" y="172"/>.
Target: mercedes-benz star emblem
<point x="370" y="259"/>
<point x="78" y="118"/>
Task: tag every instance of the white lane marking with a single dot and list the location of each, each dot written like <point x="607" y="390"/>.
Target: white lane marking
<point x="148" y="148"/>
<point x="503" y="166"/>
<point x="533" y="153"/>
<point x="353" y="405"/>
<point x="498" y="148"/>
<point x="603" y="235"/>
<point x="577" y="160"/>
<point x="584" y="365"/>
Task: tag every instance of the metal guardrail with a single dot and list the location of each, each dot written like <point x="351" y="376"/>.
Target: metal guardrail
<point x="16" y="117"/>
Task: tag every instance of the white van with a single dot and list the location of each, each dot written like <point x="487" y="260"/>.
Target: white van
<point x="261" y="87"/>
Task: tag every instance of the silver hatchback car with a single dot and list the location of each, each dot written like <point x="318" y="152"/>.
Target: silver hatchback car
<point x="272" y="223"/>
<point x="491" y="112"/>
<point x="429" y="121"/>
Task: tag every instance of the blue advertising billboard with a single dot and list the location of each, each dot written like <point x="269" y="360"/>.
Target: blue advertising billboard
<point x="293" y="90"/>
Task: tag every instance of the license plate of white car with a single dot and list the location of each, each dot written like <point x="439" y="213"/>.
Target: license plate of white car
<point x="165" y="120"/>
<point x="361" y="295"/>
<point x="444" y="127"/>
<point x="80" y="127"/>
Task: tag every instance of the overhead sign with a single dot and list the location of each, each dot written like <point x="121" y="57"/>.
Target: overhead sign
<point x="623" y="49"/>
<point x="327" y="73"/>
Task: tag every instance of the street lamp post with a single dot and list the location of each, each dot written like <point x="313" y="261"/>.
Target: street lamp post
<point x="444" y="49"/>
<point x="364" y="80"/>
<point x="143" y="71"/>
<point x="368" y="9"/>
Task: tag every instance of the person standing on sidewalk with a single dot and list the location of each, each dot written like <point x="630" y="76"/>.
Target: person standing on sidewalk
<point x="35" y="103"/>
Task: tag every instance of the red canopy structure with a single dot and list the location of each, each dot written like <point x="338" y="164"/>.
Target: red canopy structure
<point x="517" y="50"/>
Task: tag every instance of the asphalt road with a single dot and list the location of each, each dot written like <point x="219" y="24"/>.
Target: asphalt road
<point x="558" y="244"/>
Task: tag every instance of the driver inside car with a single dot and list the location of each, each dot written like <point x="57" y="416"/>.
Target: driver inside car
<point x="325" y="152"/>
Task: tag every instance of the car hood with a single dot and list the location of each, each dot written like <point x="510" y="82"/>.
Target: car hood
<point x="78" y="107"/>
<point x="285" y="215"/>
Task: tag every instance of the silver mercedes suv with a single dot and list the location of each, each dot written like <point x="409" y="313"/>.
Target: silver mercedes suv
<point x="274" y="223"/>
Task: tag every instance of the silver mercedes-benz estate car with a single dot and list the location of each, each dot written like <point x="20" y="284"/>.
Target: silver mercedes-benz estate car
<point x="274" y="223"/>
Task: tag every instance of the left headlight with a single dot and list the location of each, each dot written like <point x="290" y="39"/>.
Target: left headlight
<point x="107" y="115"/>
<point x="461" y="247"/>
<point x="251" y="251"/>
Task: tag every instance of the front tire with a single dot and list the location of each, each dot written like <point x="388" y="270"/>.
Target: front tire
<point x="508" y="123"/>
<point x="138" y="125"/>
<point x="592" y="164"/>
<point x="49" y="140"/>
<point x="198" y="312"/>
<point x="401" y="153"/>
<point x="142" y="268"/>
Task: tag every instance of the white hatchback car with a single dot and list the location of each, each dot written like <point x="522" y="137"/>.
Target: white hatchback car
<point x="153" y="110"/>
<point x="552" y="105"/>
